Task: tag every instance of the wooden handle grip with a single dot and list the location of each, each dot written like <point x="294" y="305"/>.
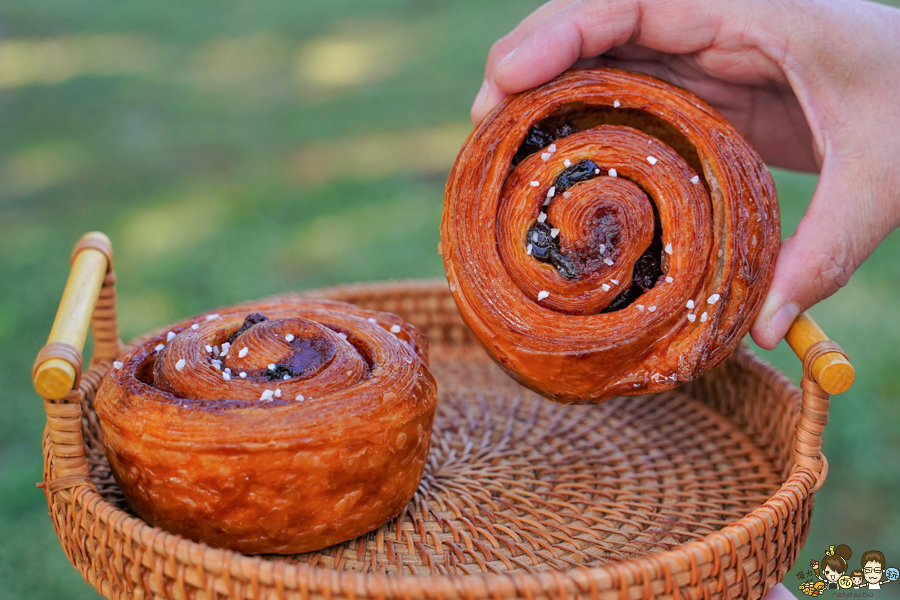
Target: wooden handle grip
<point x="832" y="371"/>
<point x="55" y="377"/>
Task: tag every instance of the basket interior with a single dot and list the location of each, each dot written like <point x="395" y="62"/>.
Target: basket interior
<point x="517" y="483"/>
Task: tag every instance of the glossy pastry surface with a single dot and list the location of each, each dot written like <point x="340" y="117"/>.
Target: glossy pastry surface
<point x="279" y="426"/>
<point x="607" y="234"/>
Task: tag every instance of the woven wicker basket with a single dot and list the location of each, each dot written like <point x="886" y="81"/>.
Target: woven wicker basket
<point x="705" y="491"/>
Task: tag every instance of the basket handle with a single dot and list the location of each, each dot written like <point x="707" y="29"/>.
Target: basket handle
<point x="831" y="369"/>
<point x="88" y="299"/>
<point x="826" y="371"/>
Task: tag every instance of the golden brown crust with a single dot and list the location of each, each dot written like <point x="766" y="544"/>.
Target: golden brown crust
<point x="682" y="173"/>
<point x="206" y="458"/>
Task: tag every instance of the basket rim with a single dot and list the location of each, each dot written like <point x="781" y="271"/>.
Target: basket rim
<point x="625" y="573"/>
<point x="690" y="556"/>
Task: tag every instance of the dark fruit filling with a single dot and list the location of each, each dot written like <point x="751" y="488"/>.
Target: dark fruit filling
<point x="546" y="248"/>
<point x="308" y="356"/>
<point x="647" y="271"/>
<point x="538" y="138"/>
<point x="583" y="171"/>
<point x="250" y="321"/>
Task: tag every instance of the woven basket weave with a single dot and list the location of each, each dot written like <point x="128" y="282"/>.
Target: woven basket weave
<point x="705" y="491"/>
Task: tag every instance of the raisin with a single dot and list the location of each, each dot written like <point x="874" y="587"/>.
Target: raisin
<point x="646" y="273"/>
<point x="535" y="139"/>
<point x="583" y="171"/>
<point x="545" y="248"/>
<point x="565" y="266"/>
<point x="250" y="321"/>
<point x="538" y="138"/>
<point x="541" y="241"/>
<point x="279" y="372"/>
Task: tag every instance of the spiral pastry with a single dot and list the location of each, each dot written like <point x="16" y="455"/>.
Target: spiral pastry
<point x="608" y="234"/>
<point x="280" y="426"/>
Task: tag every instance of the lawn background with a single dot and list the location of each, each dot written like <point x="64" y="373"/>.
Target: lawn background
<point x="234" y="150"/>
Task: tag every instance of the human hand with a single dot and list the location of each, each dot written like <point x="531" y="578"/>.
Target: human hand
<point x="812" y="84"/>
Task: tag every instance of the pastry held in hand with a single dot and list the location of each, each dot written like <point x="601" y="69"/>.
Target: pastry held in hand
<point x="280" y="426"/>
<point x="608" y="234"/>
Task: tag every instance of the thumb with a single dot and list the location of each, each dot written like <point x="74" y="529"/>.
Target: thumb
<point x="841" y="228"/>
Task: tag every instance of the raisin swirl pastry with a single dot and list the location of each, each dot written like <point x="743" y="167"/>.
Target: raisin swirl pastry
<point x="280" y="426"/>
<point x="608" y="234"/>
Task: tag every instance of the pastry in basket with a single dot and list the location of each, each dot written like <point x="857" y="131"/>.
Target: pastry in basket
<point x="608" y="234"/>
<point x="280" y="426"/>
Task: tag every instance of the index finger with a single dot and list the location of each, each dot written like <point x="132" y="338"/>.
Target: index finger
<point x="489" y="95"/>
<point x="586" y="29"/>
<point x="511" y="40"/>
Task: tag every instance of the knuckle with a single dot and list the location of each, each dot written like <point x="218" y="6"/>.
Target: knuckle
<point x="833" y="270"/>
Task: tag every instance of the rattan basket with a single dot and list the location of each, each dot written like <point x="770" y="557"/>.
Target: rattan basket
<point x="705" y="491"/>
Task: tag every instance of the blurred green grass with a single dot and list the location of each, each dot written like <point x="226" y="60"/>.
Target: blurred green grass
<point x="236" y="150"/>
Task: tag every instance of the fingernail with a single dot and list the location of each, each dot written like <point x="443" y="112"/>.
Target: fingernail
<point x="482" y="94"/>
<point x="782" y="320"/>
